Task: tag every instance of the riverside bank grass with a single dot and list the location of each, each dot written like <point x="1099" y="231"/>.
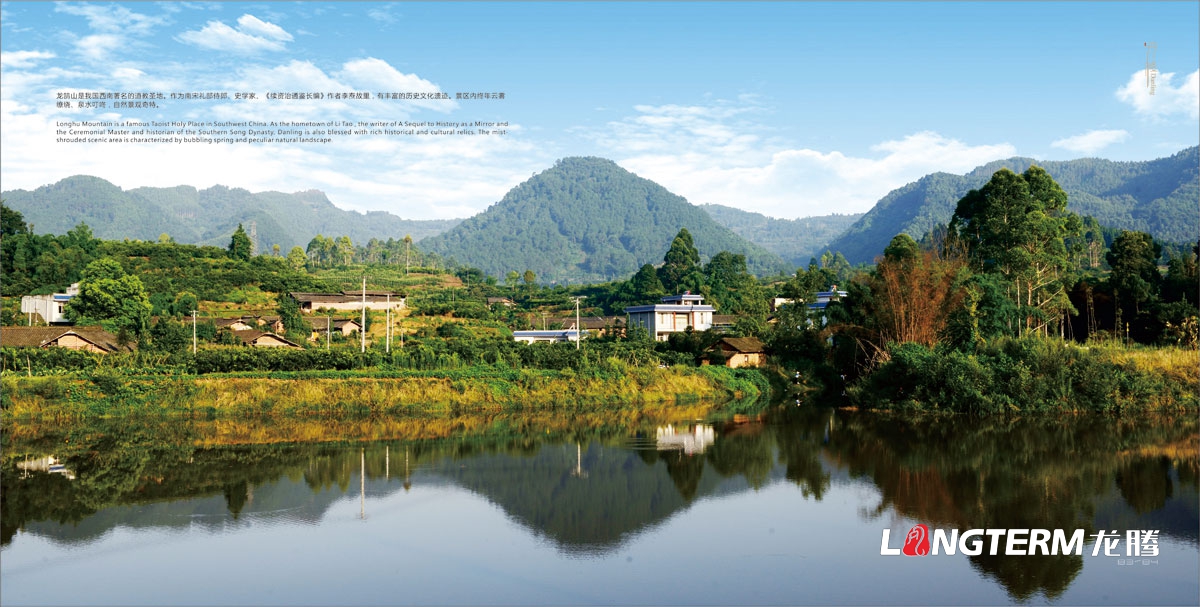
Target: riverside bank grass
<point x="366" y="392"/>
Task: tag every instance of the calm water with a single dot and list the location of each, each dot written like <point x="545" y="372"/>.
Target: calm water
<point x="577" y="509"/>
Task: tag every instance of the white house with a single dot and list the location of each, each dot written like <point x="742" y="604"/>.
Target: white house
<point x="676" y="313"/>
<point x="551" y="335"/>
<point x="350" y="301"/>
<point x="52" y="308"/>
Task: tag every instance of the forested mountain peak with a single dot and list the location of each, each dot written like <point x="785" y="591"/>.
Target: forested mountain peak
<point x="1156" y="196"/>
<point x="587" y="219"/>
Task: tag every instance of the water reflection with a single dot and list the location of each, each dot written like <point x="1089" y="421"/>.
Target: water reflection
<point x="588" y="486"/>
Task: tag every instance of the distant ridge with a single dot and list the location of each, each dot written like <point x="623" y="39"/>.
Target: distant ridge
<point x="207" y="216"/>
<point x="797" y="241"/>
<point x="588" y="220"/>
<point x="1156" y="196"/>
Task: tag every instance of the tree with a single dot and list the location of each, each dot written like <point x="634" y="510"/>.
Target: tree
<point x="645" y="284"/>
<point x="530" y="278"/>
<point x="296" y="258"/>
<point x="109" y="296"/>
<point x="1018" y="226"/>
<point x="11" y="222"/>
<point x="240" y="246"/>
<point x="681" y="268"/>
<point x="1135" y="278"/>
<point x="293" y="320"/>
<point x="733" y="289"/>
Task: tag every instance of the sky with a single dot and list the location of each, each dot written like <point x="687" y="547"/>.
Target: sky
<point x="790" y="109"/>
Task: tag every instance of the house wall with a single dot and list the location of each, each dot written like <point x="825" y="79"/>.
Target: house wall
<point x="307" y="307"/>
<point x="75" y="342"/>
<point x="739" y="360"/>
<point x="267" y="341"/>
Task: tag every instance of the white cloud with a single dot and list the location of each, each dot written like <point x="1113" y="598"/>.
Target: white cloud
<point x="251" y="36"/>
<point x="720" y="155"/>
<point x="1091" y="141"/>
<point x="98" y="46"/>
<point x="23" y="59"/>
<point x="253" y="25"/>
<point x="383" y="14"/>
<point x="112" y="18"/>
<point x="1167" y="100"/>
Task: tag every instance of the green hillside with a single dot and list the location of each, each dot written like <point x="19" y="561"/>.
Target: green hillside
<point x="795" y="240"/>
<point x="587" y="220"/>
<point x="1156" y="196"/>
<point x="205" y="217"/>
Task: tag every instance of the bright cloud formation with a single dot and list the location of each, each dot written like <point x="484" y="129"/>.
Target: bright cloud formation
<point x="1091" y="141"/>
<point x="720" y="155"/>
<point x="23" y="59"/>
<point x="252" y="35"/>
<point x="1167" y="100"/>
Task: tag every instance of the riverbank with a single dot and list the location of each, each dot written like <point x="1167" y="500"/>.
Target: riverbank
<point x="330" y="394"/>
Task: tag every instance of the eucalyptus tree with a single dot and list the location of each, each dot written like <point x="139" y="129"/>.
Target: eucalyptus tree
<point x="1018" y="227"/>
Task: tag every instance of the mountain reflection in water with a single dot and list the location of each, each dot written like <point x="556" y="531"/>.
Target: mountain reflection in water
<point x="588" y="492"/>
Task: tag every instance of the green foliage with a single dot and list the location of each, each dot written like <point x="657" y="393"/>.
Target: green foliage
<point x="240" y="246"/>
<point x="731" y="288"/>
<point x="587" y="219"/>
<point x="1156" y="196"/>
<point x="1134" y="261"/>
<point x="1020" y="374"/>
<point x="795" y="240"/>
<point x="1017" y="226"/>
<point x="204" y="217"/>
<point x="108" y="294"/>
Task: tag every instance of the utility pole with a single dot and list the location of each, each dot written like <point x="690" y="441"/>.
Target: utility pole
<point x="578" y="332"/>
<point x="193" y="332"/>
<point x="328" y="330"/>
<point x="388" y="331"/>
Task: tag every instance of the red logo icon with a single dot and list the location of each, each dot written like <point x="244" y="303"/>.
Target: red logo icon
<point x="916" y="543"/>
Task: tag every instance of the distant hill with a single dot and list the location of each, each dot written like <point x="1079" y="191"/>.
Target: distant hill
<point x="587" y="220"/>
<point x="1156" y="196"/>
<point x="795" y="240"/>
<point x="210" y="216"/>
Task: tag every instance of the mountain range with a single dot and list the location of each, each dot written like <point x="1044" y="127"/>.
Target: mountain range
<point x="1156" y="196"/>
<point x="588" y="219"/>
<point x="205" y="217"/>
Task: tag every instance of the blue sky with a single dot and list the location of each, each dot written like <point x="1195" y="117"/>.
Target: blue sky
<point x="789" y="109"/>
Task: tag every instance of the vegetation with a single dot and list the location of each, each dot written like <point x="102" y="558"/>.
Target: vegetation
<point x="203" y="217"/>
<point x="1156" y="196"/>
<point x="587" y="219"/>
<point x="795" y="240"/>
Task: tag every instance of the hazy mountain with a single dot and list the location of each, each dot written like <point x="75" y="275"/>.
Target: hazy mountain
<point x="587" y="219"/>
<point x="208" y="216"/>
<point x="795" y="240"/>
<point x="1156" y="196"/>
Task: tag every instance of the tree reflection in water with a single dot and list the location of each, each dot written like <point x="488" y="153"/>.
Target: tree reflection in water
<point x="590" y="482"/>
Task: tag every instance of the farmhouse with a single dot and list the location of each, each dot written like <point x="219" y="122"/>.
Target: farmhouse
<point x="260" y="339"/>
<point x="345" y="326"/>
<point x="741" y="352"/>
<point x="549" y="336"/>
<point x="89" y="339"/>
<point x="349" y="300"/>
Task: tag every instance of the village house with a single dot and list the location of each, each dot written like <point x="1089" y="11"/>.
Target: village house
<point x="262" y="339"/>
<point x="349" y="300"/>
<point x="499" y="301"/>
<point x="600" y="326"/>
<point x="675" y="314"/>
<point x="552" y="335"/>
<point x="236" y="324"/>
<point x="741" y="352"/>
<point x="345" y="326"/>
<point x="88" y="339"/>
<point x="52" y="308"/>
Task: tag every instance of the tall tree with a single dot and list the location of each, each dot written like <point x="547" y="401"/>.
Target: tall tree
<point x="681" y="268"/>
<point x="1018" y="226"/>
<point x="733" y="289"/>
<point x="240" y="246"/>
<point x="109" y="296"/>
<point x="1135" y="278"/>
